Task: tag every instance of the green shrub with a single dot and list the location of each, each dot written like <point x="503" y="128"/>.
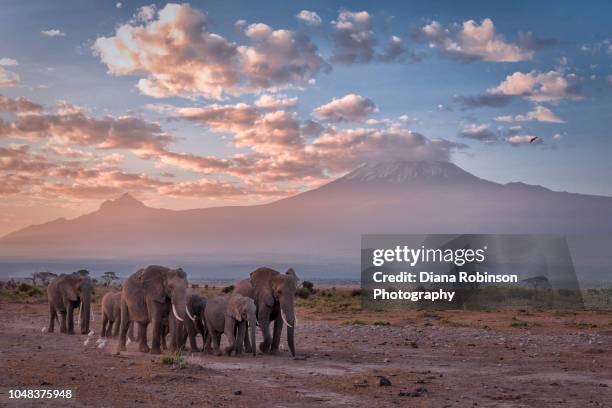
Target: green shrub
<point x="24" y="287"/>
<point x="228" y="289"/>
<point x="355" y="322"/>
<point x="34" y="291"/>
<point x="381" y="323"/>
<point x="308" y="286"/>
<point x="303" y="293"/>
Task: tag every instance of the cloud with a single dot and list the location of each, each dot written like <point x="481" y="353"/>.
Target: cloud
<point x="353" y="38"/>
<point x="310" y="18"/>
<point x="8" y="78"/>
<point x="539" y="113"/>
<point x="539" y="86"/>
<point x="279" y="57"/>
<point x="53" y="32"/>
<point x="272" y="102"/>
<point x="480" y="132"/>
<point x="343" y="150"/>
<point x="215" y="189"/>
<point x="18" y="105"/>
<point x="176" y="52"/>
<point x="276" y="132"/>
<point x="18" y="159"/>
<point x="482" y="101"/>
<point x="473" y="41"/>
<point x="118" y="5"/>
<point x="393" y="51"/>
<point x="222" y="118"/>
<point x="178" y="55"/>
<point x="523" y="140"/>
<point x="75" y="127"/>
<point x="349" y="108"/>
<point x="8" y="62"/>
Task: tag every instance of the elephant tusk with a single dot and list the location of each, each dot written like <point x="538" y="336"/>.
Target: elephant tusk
<point x="285" y="319"/>
<point x="257" y="323"/>
<point x="295" y="322"/>
<point x="176" y="314"/>
<point x="189" y="314"/>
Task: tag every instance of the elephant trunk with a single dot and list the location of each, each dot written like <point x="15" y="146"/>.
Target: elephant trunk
<point x="288" y="315"/>
<point x="85" y="313"/>
<point x="179" y="306"/>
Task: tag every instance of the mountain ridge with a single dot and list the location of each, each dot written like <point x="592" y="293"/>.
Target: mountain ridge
<point x="388" y="197"/>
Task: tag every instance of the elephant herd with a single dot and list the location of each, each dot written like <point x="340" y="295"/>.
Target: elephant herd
<point x="159" y="296"/>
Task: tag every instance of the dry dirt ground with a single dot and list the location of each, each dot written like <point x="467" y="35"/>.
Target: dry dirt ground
<point x="442" y="359"/>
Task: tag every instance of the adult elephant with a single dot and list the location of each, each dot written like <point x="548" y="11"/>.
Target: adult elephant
<point x="147" y="297"/>
<point x="66" y="293"/>
<point x="274" y="294"/>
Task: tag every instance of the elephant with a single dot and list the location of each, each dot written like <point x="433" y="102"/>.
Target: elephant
<point x="230" y="315"/>
<point x="196" y="305"/>
<point x="148" y="296"/>
<point x="274" y="294"/>
<point x="111" y="314"/>
<point x="64" y="294"/>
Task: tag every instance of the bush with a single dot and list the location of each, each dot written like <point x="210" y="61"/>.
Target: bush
<point x="356" y="292"/>
<point x="24" y="287"/>
<point x="308" y="286"/>
<point x="381" y="323"/>
<point x="353" y="322"/>
<point x="35" y="292"/>
<point x="303" y="293"/>
<point x="228" y="289"/>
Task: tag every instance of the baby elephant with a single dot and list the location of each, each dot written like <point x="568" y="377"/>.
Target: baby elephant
<point x="111" y="314"/>
<point x="231" y="316"/>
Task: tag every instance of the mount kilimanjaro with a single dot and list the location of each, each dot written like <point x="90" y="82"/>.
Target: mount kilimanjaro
<point x="326" y="223"/>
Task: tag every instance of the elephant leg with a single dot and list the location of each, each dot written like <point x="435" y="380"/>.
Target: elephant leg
<point x="276" y="337"/>
<point x="247" y="342"/>
<point x="264" y="323"/>
<point x="157" y="333"/>
<point x="229" y="330"/>
<point x="240" y="335"/>
<point x="104" y="325"/>
<point x="63" y="321"/>
<point x="130" y="332"/>
<point x="164" y="345"/>
<point x="111" y="325"/>
<point x="142" y="331"/>
<point x="191" y="333"/>
<point x="70" y="318"/>
<point x="218" y="344"/>
<point x="52" y="316"/>
<point x="125" y="323"/>
<point x="116" y="325"/>
<point x="208" y="347"/>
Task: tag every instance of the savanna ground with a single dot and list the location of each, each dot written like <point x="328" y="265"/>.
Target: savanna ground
<point x="519" y="358"/>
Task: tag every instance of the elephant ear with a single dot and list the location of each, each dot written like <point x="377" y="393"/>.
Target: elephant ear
<point x="154" y="281"/>
<point x="262" y="280"/>
<point x="234" y="307"/>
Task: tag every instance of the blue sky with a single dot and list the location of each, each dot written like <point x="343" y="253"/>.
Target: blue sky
<point x="569" y="44"/>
